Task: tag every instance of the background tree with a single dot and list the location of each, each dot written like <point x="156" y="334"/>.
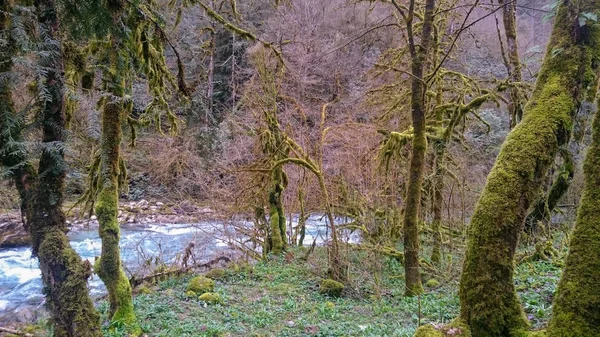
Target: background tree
<point x="13" y="152"/>
<point x="133" y="43"/>
<point x="63" y="273"/>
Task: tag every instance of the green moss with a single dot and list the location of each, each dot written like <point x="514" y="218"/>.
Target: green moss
<point x="432" y="283"/>
<point x="190" y="294"/>
<point x="576" y="306"/>
<point x="456" y="328"/>
<point x="489" y="303"/>
<point x="428" y="331"/>
<point x="275" y="231"/>
<point x="215" y="274"/>
<point x="331" y="288"/>
<point x="201" y="284"/>
<point x="65" y="280"/>
<point x="144" y="289"/>
<point x="109" y="267"/>
<point x="211" y="298"/>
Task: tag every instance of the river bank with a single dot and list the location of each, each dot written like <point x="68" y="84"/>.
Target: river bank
<point x="131" y="215"/>
<point x="154" y="236"/>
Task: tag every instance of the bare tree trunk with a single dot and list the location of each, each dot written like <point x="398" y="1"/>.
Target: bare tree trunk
<point x="576" y="307"/>
<point x="233" y="74"/>
<point x="63" y="273"/>
<point x="489" y="303"/>
<point x="210" y="77"/>
<point x="302" y="217"/>
<point x="514" y="67"/>
<point x="419" y="148"/>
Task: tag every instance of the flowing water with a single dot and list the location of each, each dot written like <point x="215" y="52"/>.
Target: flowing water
<point x="20" y="277"/>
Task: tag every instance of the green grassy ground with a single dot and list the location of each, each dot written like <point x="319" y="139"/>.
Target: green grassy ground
<point x="281" y="298"/>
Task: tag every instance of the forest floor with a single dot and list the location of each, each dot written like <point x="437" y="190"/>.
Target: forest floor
<point x="281" y="298"/>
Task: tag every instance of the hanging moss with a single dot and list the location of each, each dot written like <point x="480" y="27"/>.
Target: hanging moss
<point x="489" y="303"/>
<point x="109" y="267"/>
<point x="63" y="274"/>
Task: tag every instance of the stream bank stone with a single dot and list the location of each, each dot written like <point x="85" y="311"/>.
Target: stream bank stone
<point x="201" y="284"/>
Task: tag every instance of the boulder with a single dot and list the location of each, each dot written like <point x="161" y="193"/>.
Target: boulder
<point x="201" y="284"/>
<point x="211" y="298"/>
<point x="12" y="232"/>
<point x="331" y="287"/>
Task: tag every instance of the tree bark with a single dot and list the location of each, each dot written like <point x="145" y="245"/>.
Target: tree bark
<point x="63" y="273"/>
<point x="437" y="202"/>
<point x="109" y="267"/>
<point x="419" y="147"/>
<point x="210" y="78"/>
<point x="542" y="211"/>
<point x="276" y="215"/>
<point x="576" y="307"/>
<point x="489" y="303"/>
<point x="514" y="66"/>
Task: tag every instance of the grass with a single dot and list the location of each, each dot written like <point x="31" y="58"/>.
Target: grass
<point x="281" y="298"/>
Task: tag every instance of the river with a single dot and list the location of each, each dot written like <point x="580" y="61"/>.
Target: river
<point x="21" y="295"/>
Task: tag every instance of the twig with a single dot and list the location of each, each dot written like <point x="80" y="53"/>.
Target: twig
<point x="462" y="29"/>
<point x="135" y="281"/>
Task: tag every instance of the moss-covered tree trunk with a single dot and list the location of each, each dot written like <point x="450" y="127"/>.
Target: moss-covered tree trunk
<point x="419" y="148"/>
<point x="576" y="307"/>
<point x="544" y="207"/>
<point x="13" y="154"/>
<point x="63" y="273"/>
<point x="437" y="201"/>
<point x="274" y="148"/>
<point x="489" y="303"/>
<point x="277" y="237"/>
<point x="109" y="266"/>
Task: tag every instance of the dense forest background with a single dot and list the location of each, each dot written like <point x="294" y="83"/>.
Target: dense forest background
<point x="440" y="145"/>
<point x="334" y="52"/>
